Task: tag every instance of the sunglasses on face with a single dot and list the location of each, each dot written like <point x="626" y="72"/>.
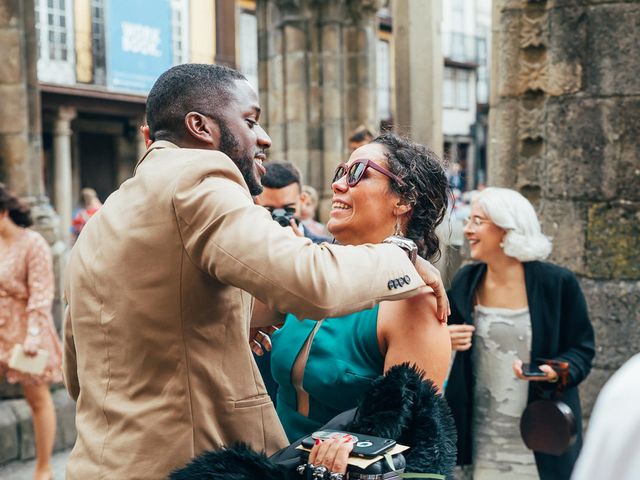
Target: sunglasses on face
<point x="356" y="171"/>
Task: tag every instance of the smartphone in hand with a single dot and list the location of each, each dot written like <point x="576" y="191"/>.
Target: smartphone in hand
<point x="532" y="370"/>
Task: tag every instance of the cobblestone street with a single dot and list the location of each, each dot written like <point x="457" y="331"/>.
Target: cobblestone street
<point x="24" y="470"/>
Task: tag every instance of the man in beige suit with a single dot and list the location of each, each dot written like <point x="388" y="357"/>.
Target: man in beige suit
<point x="161" y="280"/>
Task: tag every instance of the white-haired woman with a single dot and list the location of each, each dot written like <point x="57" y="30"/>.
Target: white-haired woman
<point x="509" y="308"/>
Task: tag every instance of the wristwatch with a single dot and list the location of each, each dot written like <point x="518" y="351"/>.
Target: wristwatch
<point x="34" y="331"/>
<point x="406" y="244"/>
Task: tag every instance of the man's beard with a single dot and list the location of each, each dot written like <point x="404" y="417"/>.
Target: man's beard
<point x="229" y="146"/>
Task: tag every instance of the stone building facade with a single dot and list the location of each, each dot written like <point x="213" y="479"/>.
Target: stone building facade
<point x="565" y="131"/>
<point x="316" y="66"/>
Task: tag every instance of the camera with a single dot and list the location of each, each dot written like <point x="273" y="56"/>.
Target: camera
<point x="284" y="215"/>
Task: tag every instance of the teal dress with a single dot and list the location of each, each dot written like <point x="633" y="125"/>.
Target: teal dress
<point x="344" y="358"/>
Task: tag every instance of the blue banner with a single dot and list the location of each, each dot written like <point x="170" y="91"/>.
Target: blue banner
<point x="139" y="48"/>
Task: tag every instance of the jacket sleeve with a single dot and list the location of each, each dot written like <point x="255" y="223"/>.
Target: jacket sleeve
<point x="576" y="332"/>
<point x="238" y="243"/>
<point x="69" y="359"/>
<point x="69" y="364"/>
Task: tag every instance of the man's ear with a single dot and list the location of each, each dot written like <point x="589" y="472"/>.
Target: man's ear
<point x="146" y="135"/>
<point x="203" y="129"/>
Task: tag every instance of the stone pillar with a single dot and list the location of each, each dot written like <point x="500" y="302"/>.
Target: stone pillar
<point x="419" y="68"/>
<point x="20" y="116"/>
<point x="63" y="187"/>
<point x="564" y="118"/>
<point x="21" y="156"/>
<point x="226" y="32"/>
<point x="317" y="80"/>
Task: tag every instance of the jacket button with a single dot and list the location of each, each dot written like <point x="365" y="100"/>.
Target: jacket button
<point x="390" y="285"/>
<point x="407" y="279"/>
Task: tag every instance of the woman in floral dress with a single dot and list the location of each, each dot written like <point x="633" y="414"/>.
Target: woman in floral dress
<point x="26" y="295"/>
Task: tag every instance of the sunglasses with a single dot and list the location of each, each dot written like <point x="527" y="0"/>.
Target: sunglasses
<point x="356" y="170"/>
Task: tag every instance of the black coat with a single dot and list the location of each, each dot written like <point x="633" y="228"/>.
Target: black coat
<point x="561" y="330"/>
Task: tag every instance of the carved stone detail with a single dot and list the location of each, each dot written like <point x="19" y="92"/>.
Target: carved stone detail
<point x="535" y="31"/>
<point x="533" y="76"/>
<point x="531" y="122"/>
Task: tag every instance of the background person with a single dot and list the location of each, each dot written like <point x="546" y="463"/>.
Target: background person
<point x="160" y="287"/>
<point x="389" y="187"/>
<point x="612" y="443"/>
<point x="360" y="136"/>
<point x="508" y="308"/>
<point x="26" y="296"/>
<point x="308" y="211"/>
<point x="90" y="205"/>
<point x="282" y="195"/>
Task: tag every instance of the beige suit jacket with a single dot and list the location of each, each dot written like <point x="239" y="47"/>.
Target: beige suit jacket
<point x="159" y="292"/>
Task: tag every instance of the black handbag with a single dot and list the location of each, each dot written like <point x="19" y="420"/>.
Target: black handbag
<point x="548" y="425"/>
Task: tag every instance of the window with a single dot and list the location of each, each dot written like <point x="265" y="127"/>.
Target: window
<point x="54" y="26"/>
<point x="462" y="89"/>
<point x="383" y="61"/>
<point x="248" y="46"/>
<point x="98" y="42"/>
<point x="449" y="89"/>
<point x="179" y="17"/>
<point x="457" y="88"/>
<point x="457" y="15"/>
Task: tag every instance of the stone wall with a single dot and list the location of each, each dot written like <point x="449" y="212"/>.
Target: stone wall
<point x="565" y="131"/>
<point x="317" y="80"/>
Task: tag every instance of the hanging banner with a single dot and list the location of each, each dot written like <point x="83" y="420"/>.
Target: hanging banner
<point x="139" y="48"/>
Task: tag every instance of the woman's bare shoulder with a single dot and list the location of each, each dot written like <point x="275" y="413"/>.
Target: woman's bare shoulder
<point x="418" y="310"/>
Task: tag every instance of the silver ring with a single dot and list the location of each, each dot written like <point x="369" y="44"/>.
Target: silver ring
<point x="336" y="476"/>
<point x="319" y="471"/>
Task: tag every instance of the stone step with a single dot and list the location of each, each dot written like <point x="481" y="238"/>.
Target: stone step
<point x="16" y="427"/>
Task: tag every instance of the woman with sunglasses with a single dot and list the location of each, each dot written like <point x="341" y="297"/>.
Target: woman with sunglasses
<point x="390" y="187"/>
<point x="507" y="309"/>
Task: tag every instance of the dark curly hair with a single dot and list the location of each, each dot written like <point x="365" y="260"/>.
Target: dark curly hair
<point x="426" y="189"/>
<point x="19" y="213"/>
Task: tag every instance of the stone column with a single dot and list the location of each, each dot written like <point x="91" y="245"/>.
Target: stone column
<point x="419" y="68"/>
<point x="564" y="131"/>
<point x="20" y="116"/>
<point x="62" y="174"/>
<point x="226" y="32"/>
<point x="317" y="80"/>
<point x="21" y="166"/>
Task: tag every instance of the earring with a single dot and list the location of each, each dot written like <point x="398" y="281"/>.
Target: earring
<point x="501" y="245"/>
<point x="397" y="231"/>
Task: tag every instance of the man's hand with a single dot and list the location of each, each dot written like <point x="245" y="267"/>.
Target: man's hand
<point x="431" y="276"/>
<point x="295" y="228"/>
<point x="461" y="336"/>
<point x="260" y="339"/>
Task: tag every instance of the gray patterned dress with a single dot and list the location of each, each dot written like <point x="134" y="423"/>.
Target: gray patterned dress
<point x="501" y="335"/>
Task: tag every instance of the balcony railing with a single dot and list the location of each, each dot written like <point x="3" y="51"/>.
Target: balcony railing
<point x="463" y="48"/>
